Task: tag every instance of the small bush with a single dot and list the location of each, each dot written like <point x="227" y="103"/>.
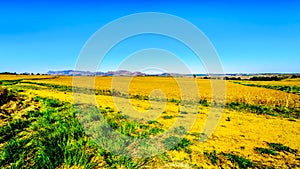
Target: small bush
<point x="174" y="100"/>
<point x="156" y="130"/>
<point x="204" y="102"/>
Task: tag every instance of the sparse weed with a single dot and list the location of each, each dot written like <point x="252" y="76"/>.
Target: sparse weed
<point x="168" y="117"/>
<point x="265" y="151"/>
<point x="281" y="147"/>
<point x="176" y="143"/>
<point x="242" y="162"/>
<point x="180" y="130"/>
<point x="212" y="156"/>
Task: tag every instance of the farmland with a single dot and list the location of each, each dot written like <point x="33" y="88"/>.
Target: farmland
<point x="41" y="126"/>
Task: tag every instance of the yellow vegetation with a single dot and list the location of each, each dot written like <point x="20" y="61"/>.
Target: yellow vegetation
<point x="241" y="134"/>
<point x="168" y="87"/>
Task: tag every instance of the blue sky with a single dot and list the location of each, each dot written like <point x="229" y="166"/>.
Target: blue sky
<point x="249" y="36"/>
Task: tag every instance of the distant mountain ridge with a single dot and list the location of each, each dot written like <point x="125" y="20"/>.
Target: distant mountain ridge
<point x="129" y="73"/>
<point x="113" y="73"/>
<point x="88" y="73"/>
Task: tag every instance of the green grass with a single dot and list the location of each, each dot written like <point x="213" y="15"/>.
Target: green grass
<point x="176" y="143"/>
<point x="168" y="117"/>
<point x="242" y="162"/>
<point x="287" y="89"/>
<point x="212" y="156"/>
<point x="282" y="148"/>
<point x="9" y="82"/>
<point x="45" y="139"/>
<point x="266" y="110"/>
<point x="53" y="136"/>
<point x="180" y="130"/>
<point x="204" y="102"/>
<point x="265" y="151"/>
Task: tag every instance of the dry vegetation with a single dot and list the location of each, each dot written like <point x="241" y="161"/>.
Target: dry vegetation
<point x="259" y="127"/>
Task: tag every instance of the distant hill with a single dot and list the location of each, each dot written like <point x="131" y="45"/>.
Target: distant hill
<point x="227" y="76"/>
<point x="88" y="73"/>
<point x="113" y="73"/>
<point x="129" y="73"/>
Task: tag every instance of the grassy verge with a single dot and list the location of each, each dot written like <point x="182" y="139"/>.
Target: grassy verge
<point x="266" y="110"/>
<point x="52" y="137"/>
<point x="287" y="89"/>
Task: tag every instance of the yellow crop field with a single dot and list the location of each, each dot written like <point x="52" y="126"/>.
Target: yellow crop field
<point x="170" y="89"/>
<point x="258" y="128"/>
<point x="16" y="77"/>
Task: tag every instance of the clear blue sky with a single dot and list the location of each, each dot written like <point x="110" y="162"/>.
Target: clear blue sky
<point x="249" y="36"/>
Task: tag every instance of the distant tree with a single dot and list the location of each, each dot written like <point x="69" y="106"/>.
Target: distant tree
<point x="265" y="78"/>
<point x="232" y="78"/>
<point x="194" y="75"/>
<point x="8" y="73"/>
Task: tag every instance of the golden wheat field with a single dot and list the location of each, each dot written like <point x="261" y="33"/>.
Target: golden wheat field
<point x="168" y="86"/>
<point x="258" y="128"/>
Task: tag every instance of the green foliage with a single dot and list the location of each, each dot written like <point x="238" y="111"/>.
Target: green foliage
<point x="265" y="151"/>
<point x="232" y="78"/>
<point x="173" y="100"/>
<point x="176" y="143"/>
<point x="153" y="122"/>
<point x="168" y="117"/>
<point x="281" y="147"/>
<point x="204" y="102"/>
<point x="242" y="162"/>
<point x="45" y="139"/>
<point x="180" y="130"/>
<point x="287" y="89"/>
<point x="53" y="136"/>
<point x="9" y="82"/>
<point x="155" y="130"/>
<point x="12" y="128"/>
<point x="212" y="156"/>
<point x="266" y="78"/>
<point x="267" y="110"/>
